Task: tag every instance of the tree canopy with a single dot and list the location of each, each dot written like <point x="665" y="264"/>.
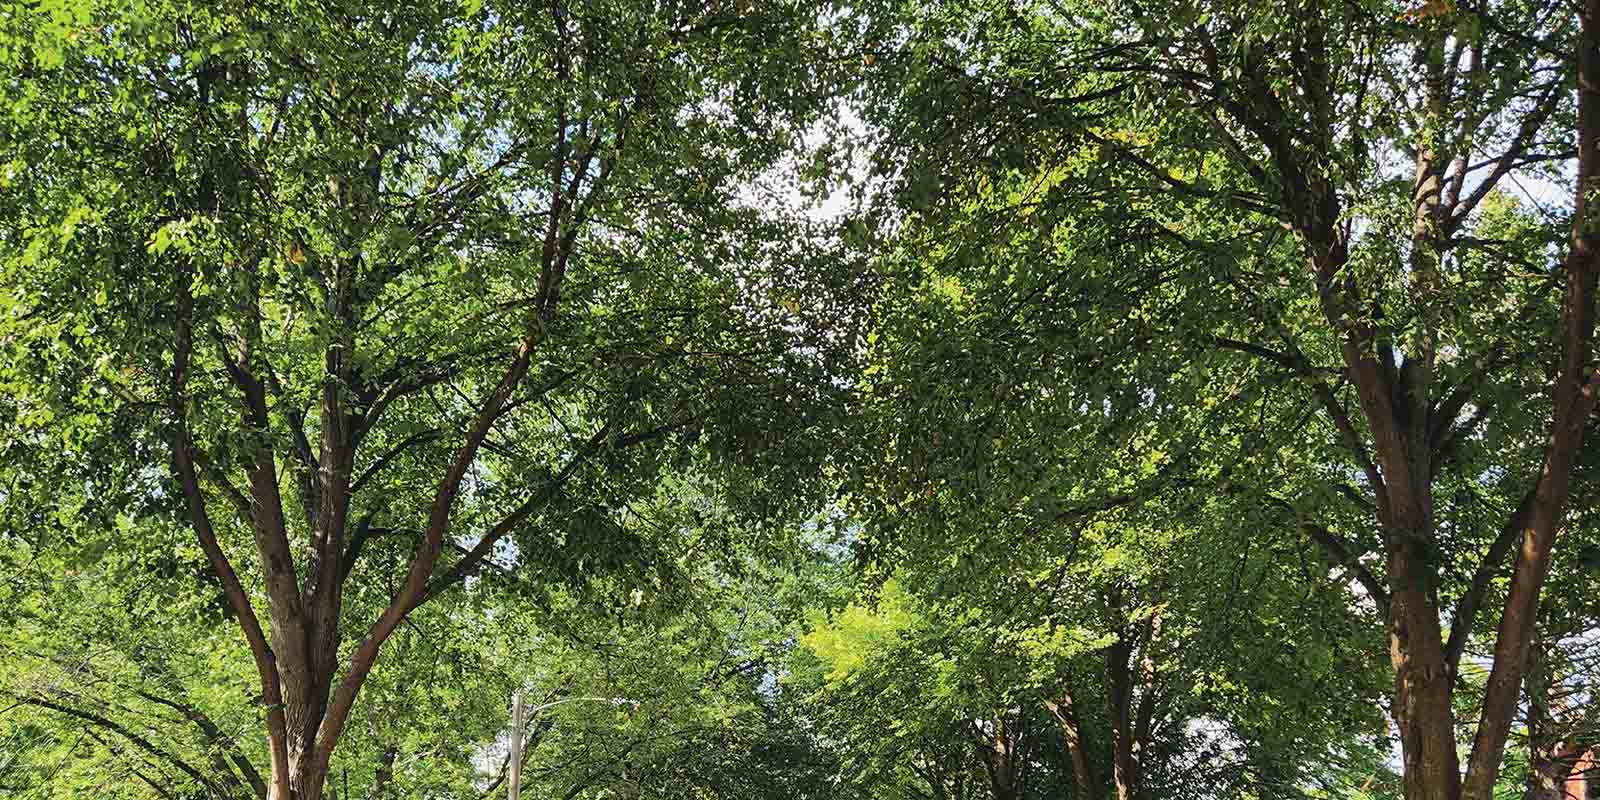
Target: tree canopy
<point x="799" y="399"/>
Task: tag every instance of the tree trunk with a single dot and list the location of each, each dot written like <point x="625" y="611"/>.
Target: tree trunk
<point x="1561" y="774"/>
<point x="385" y="774"/>
<point x="1001" y="760"/>
<point x="306" y="779"/>
<point x="1119" y="691"/>
<point x="297" y="667"/>
<point x="304" y="774"/>
<point x="1422" y="711"/>
<point x="1087" y="783"/>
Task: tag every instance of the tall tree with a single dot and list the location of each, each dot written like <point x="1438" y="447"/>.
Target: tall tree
<point x="1153" y="160"/>
<point x="393" y="290"/>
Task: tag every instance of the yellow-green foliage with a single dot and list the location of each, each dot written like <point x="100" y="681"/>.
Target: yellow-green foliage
<point x="845" y="640"/>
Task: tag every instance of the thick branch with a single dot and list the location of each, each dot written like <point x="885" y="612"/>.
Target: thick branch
<point x="285" y="606"/>
<point x="1576" y="391"/>
<point x="200" y="520"/>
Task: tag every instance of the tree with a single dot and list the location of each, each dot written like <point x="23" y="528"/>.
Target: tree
<point x="119" y="679"/>
<point x="382" y="284"/>
<point x="652" y="676"/>
<point x="919" y="706"/>
<point x="1155" y="161"/>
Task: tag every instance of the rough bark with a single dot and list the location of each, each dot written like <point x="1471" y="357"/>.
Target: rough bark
<point x="1421" y="708"/>
<point x="1558" y="774"/>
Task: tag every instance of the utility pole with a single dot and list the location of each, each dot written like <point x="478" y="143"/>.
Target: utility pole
<point x="518" y="720"/>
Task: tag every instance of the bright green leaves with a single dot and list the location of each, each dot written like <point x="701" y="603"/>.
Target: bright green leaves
<point x="348" y="210"/>
<point x="177" y="232"/>
<point x="847" y="640"/>
<point x="57" y="25"/>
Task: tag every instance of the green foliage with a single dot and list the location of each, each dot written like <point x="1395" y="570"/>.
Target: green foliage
<point x="1051" y="442"/>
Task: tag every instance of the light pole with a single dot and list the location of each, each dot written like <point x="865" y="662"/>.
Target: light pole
<point x="519" y="719"/>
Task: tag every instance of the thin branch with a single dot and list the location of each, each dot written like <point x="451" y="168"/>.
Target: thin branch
<point x="384" y="460"/>
<point x="138" y="741"/>
<point x="486" y="544"/>
<point x="1340" y="555"/>
<point x="1493" y="563"/>
<point x="1510" y="159"/>
<point x="215" y="737"/>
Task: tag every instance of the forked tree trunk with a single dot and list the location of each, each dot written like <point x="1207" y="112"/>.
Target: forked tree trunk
<point x="307" y="689"/>
<point x="1407" y="432"/>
